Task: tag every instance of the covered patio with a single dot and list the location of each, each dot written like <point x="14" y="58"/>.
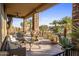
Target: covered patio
<point x="8" y="11"/>
<point x="42" y="47"/>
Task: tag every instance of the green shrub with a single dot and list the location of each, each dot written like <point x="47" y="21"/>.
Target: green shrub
<point x="65" y="42"/>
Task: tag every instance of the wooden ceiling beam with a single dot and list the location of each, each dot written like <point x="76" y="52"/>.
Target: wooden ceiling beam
<point x="34" y="10"/>
<point x="14" y="16"/>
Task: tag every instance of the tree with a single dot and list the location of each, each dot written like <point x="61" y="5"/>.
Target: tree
<point x="27" y="24"/>
<point x="55" y="28"/>
<point x="43" y="28"/>
<point x="54" y="22"/>
<point x="67" y="24"/>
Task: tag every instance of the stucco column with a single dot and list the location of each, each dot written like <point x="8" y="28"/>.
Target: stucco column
<point x="9" y="22"/>
<point x="35" y="22"/>
<point x="24" y="25"/>
<point x="3" y="27"/>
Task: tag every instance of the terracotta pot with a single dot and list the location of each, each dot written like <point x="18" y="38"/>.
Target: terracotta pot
<point x="54" y="42"/>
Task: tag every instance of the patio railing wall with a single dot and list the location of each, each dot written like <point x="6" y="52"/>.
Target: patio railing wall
<point x="68" y="52"/>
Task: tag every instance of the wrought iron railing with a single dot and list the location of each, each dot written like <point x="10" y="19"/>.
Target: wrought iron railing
<point x="68" y="52"/>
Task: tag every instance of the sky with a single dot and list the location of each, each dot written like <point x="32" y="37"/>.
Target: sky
<point x="56" y="12"/>
<point x="17" y="22"/>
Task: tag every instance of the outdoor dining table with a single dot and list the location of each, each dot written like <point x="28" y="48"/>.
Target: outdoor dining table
<point x="30" y="41"/>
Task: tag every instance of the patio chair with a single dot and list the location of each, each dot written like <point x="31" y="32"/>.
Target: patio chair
<point x="12" y="49"/>
<point x="3" y="49"/>
<point x="20" y="37"/>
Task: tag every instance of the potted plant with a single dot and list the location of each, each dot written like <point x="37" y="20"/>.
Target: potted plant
<point x="53" y="39"/>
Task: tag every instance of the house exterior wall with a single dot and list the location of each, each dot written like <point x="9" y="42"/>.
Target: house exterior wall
<point x="75" y="12"/>
<point x="3" y="26"/>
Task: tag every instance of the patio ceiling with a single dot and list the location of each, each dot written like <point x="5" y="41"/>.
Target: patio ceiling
<point x="26" y="9"/>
